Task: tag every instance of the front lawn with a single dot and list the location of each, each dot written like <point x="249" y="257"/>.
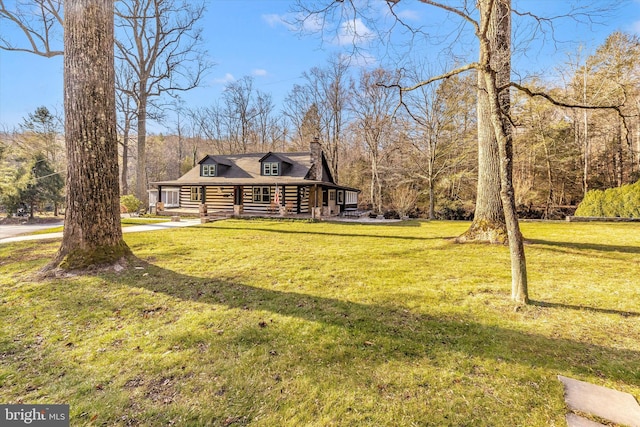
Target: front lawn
<point x="275" y="323"/>
<point x="125" y="222"/>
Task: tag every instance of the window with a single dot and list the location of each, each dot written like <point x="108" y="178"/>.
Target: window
<point x="340" y="197"/>
<point x="171" y="198"/>
<point x="261" y="194"/>
<point x="271" y="168"/>
<point x="196" y="194"/>
<point x="332" y="195"/>
<point x="208" y="170"/>
<point x="352" y="197"/>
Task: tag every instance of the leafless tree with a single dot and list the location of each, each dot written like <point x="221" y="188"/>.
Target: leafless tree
<point x="126" y="109"/>
<point x="162" y="44"/>
<point x="328" y="89"/>
<point x="441" y="129"/>
<point x="241" y="112"/>
<point x="372" y="106"/>
<point x="302" y="113"/>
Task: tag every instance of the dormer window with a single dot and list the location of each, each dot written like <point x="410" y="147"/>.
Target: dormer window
<point x="208" y="170"/>
<point x="271" y="168"/>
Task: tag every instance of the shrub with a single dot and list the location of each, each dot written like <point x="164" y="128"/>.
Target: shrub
<point x="591" y="205"/>
<point x="614" y="202"/>
<point x="454" y="210"/>
<point x="631" y="200"/>
<point x="131" y="203"/>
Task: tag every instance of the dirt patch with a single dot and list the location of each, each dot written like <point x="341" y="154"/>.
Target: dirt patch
<point x="162" y="390"/>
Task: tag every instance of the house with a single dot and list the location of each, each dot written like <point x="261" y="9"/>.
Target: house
<point x="258" y="184"/>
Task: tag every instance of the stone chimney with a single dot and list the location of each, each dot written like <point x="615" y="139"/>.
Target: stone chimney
<point x="316" y="160"/>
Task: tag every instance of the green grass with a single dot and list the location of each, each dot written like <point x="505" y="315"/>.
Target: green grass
<point x="126" y="222"/>
<point x="272" y="323"/>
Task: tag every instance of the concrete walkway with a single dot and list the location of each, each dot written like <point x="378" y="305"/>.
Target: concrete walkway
<point x="133" y="229"/>
<point x="605" y="403"/>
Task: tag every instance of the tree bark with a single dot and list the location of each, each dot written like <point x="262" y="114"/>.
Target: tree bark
<point x="141" y="164"/>
<point x="124" y="175"/>
<point x="488" y="221"/>
<point x="92" y="233"/>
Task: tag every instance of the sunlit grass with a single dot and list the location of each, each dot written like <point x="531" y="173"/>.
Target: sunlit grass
<point x="294" y="323"/>
<point x="126" y="222"/>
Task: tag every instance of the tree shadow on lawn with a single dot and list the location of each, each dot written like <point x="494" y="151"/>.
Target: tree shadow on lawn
<point x="399" y="333"/>
<point x="564" y="247"/>
<point x="322" y="233"/>
<point x="584" y="308"/>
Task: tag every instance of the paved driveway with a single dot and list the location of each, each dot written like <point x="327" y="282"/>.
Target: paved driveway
<point x="16" y="230"/>
<point x="7" y="237"/>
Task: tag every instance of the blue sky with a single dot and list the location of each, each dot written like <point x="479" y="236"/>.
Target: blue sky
<point x="251" y="38"/>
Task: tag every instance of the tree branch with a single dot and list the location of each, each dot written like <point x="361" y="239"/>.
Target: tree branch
<point x="37" y="28"/>
<point x="617" y="108"/>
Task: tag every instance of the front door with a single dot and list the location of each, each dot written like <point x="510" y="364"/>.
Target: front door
<point x="332" y="202"/>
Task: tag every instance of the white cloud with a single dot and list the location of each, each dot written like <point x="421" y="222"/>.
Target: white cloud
<point x="274" y="19"/>
<point x="228" y="78"/>
<point x="353" y="32"/>
<point x="259" y="72"/>
<point x="311" y="24"/>
<point x="408" y="15"/>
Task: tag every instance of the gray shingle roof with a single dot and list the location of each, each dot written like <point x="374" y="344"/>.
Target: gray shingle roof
<point x="244" y="169"/>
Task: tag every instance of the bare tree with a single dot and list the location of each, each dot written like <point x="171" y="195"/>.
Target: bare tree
<point x="328" y="89"/>
<point x="441" y="131"/>
<point x="372" y="106"/>
<point x="125" y="106"/>
<point x="302" y="112"/>
<point x="209" y="123"/>
<point x="160" y="41"/>
<point x="241" y="112"/>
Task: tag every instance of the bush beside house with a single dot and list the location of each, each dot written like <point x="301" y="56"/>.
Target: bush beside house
<point x="130" y="204"/>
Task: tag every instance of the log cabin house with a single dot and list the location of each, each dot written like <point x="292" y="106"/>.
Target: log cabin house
<point x="257" y="184"/>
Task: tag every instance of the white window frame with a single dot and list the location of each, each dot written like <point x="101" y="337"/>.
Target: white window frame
<point x="271" y="168"/>
<point x="171" y="197"/>
<point x="208" y="170"/>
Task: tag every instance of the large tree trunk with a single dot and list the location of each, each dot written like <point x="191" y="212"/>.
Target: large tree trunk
<point x="488" y="222"/>
<point x="92" y="232"/>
